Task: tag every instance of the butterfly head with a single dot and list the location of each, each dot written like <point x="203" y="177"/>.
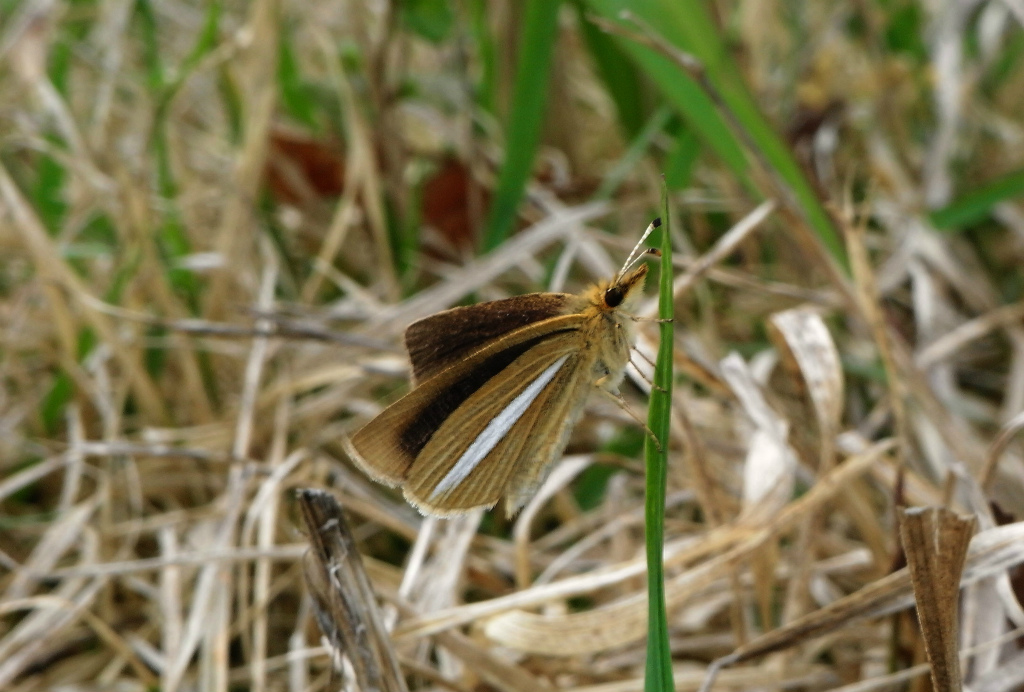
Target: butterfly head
<point x="629" y="283"/>
<point x="625" y="290"/>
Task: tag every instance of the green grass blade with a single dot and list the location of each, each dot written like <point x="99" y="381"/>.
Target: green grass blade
<point x="431" y="19"/>
<point x="172" y="236"/>
<point x="48" y="191"/>
<point x="48" y="194"/>
<point x="658" y="675"/>
<point x="682" y="159"/>
<point x="487" y="55"/>
<point x="637" y="149"/>
<point x="150" y="34"/>
<point x="207" y="40"/>
<point x="689" y="27"/>
<point x="681" y="91"/>
<point x="977" y="205"/>
<point x="295" y="93"/>
<point x="529" y="102"/>
<point x="620" y="76"/>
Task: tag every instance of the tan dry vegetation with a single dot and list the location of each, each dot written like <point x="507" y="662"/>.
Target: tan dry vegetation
<point x="182" y="351"/>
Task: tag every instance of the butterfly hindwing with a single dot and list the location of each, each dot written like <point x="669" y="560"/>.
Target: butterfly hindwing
<point x="439" y="341"/>
<point x="487" y="441"/>
<point x="542" y="440"/>
<point x="386" y="447"/>
<point x="548" y="441"/>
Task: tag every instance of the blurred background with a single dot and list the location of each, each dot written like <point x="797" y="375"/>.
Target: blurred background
<point x="217" y="219"/>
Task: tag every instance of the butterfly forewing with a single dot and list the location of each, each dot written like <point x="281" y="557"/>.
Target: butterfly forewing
<point x="439" y="341"/>
<point x="481" y="448"/>
<point x="387" y="447"/>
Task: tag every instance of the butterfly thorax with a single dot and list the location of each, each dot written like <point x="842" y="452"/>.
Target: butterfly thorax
<point x="608" y="332"/>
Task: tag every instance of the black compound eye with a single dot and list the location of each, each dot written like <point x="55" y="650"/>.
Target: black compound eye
<point x="613" y="296"/>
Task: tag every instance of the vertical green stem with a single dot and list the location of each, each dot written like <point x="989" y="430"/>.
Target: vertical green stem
<point x="659" y="658"/>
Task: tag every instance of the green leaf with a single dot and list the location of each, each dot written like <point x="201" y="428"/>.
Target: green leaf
<point x="48" y="191"/>
<point x="54" y="403"/>
<point x="529" y="102"/>
<point x="431" y="19"/>
<point x="682" y="159"/>
<point x="51" y="408"/>
<point x="681" y="91"/>
<point x="688" y="26"/>
<point x="232" y="101"/>
<point x="977" y="205"/>
<point x="296" y="95"/>
<point x="172" y="236"/>
<point x="486" y="91"/>
<point x="207" y="40"/>
<point x="405" y="237"/>
<point x="589" y="488"/>
<point x="636" y="151"/>
<point x="150" y="45"/>
<point x="904" y="33"/>
<point x="619" y="75"/>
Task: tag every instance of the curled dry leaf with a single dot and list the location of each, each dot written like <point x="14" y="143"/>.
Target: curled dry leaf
<point x="806" y="345"/>
<point x="935" y="541"/>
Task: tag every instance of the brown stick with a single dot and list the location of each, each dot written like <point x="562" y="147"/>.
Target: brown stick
<point x="343" y="600"/>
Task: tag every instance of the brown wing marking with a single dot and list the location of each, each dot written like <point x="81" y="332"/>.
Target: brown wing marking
<point x="439" y="341"/>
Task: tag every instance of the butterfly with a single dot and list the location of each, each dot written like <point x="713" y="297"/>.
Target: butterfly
<point x="497" y="389"/>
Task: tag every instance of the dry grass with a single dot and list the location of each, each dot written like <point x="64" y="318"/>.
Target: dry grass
<point x="208" y="261"/>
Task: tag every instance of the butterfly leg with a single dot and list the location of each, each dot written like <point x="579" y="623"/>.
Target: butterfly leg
<point x="649" y="362"/>
<point x="621" y="403"/>
<point x="636" y="318"/>
<point x="643" y="376"/>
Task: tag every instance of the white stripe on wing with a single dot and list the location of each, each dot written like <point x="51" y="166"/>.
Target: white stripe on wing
<point x="499" y="426"/>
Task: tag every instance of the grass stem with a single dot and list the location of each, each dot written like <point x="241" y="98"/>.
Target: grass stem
<point x="658" y="674"/>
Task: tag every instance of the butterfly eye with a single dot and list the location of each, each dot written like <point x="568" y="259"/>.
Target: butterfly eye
<point x="613" y="296"/>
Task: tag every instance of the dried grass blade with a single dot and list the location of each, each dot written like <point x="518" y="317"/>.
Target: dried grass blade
<point x="51" y="265"/>
<point x="497" y="672"/>
<point x="463" y="281"/>
<point x="29" y="641"/>
<point x="867" y="296"/>
<point x="624" y="621"/>
<point x="560" y="477"/>
<point x="998" y="446"/>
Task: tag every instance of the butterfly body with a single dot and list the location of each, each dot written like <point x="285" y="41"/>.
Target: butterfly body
<point x="497" y="389"/>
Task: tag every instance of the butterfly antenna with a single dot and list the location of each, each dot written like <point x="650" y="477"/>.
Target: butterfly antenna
<point x="633" y="258"/>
